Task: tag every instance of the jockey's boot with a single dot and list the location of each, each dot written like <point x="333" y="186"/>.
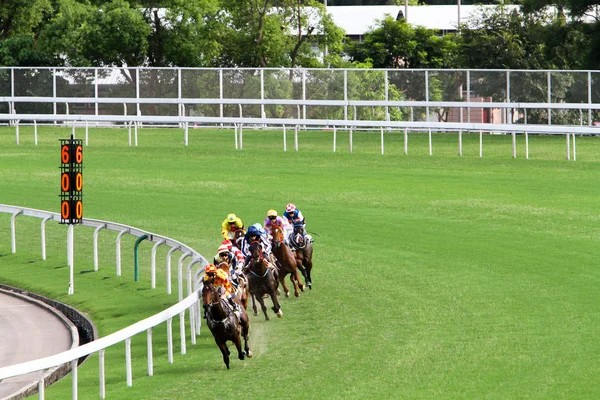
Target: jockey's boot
<point x="235" y="307"/>
<point x="309" y="238"/>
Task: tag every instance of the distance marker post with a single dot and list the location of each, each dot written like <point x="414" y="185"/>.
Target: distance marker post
<point x="71" y="193"/>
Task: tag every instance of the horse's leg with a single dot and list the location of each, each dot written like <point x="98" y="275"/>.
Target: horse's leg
<point x="282" y="281"/>
<point x="261" y="300"/>
<point x="296" y="282"/>
<point x="245" y="323"/>
<point x="238" y="344"/>
<point x="308" y="269"/>
<point x="276" y="305"/>
<point x="296" y="273"/>
<point x="225" y="352"/>
<point x="254" y="304"/>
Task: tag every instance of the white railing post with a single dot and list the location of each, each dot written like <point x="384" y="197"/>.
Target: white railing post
<point x="382" y="146"/>
<point x="430" y="142"/>
<point x="149" y="351"/>
<point x="17" y="131"/>
<point x="101" y="373"/>
<point x="574" y="149"/>
<point x="189" y="292"/>
<point x="350" y="138"/>
<point x="296" y="138"/>
<point x="480" y="143"/>
<point x="96" y="233"/>
<point x="129" y="373"/>
<point x="43" y="235"/>
<point x="153" y="263"/>
<point x="186" y="133"/>
<point x="86" y="132"/>
<point x="41" y="387"/>
<point x="460" y="143"/>
<point x="514" y="144"/>
<point x="180" y="274"/>
<point x="35" y="133"/>
<point x="13" y="235"/>
<point x="129" y="133"/>
<point x="71" y="258"/>
<point x="119" y="236"/>
<point x="568" y="147"/>
<point x="170" y="340"/>
<point x="526" y="146"/>
<point x="235" y="134"/>
<point x="334" y="137"/>
<point x="168" y="268"/>
<point x="405" y="141"/>
<point x="182" y="332"/>
<point x="284" y="139"/>
<point x="74" y="380"/>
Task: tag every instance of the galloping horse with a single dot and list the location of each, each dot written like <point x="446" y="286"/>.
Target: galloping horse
<point x="262" y="280"/>
<point x="242" y="291"/>
<point x="303" y="251"/>
<point x="223" y="323"/>
<point x="287" y="261"/>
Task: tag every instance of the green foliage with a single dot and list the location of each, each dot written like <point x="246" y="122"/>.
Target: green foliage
<point x="23" y="17"/>
<point x="397" y="44"/>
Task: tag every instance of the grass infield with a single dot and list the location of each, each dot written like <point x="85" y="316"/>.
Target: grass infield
<point x="435" y="276"/>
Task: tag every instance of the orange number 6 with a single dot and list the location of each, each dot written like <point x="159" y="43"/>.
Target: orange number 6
<point x="79" y="155"/>
<point x="64" y="154"/>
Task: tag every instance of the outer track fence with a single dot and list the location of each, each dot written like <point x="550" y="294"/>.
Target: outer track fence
<point x="189" y="303"/>
<point x="334" y="125"/>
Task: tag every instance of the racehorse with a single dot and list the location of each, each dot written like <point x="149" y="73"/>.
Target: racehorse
<point x="287" y="261"/>
<point x="238" y="237"/>
<point x="242" y="290"/>
<point x="262" y="280"/>
<point x="303" y="250"/>
<point x="224" y="324"/>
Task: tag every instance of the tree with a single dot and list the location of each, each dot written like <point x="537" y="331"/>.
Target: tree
<point x="397" y="44"/>
<point x="277" y="33"/>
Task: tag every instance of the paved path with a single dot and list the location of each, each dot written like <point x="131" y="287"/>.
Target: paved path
<point x="27" y="332"/>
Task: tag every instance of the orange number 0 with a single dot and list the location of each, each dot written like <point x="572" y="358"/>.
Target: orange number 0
<point x="79" y="182"/>
<point x="64" y="154"/>
<point x="65" y="182"/>
<point x="64" y="210"/>
<point x="79" y="155"/>
<point x="79" y="210"/>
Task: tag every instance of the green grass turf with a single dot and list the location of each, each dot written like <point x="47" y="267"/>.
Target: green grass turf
<point x="435" y="276"/>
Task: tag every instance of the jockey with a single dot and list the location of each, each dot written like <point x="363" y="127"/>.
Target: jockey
<point x="236" y="252"/>
<point x="229" y="225"/>
<point x="295" y="218"/>
<point x="273" y="220"/>
<point x="255" y="233"/>
<point x="224" y="255"/>
<point x="220" y="278"/>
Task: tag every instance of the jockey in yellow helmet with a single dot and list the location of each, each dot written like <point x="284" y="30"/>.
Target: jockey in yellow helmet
<point x="229" y="225"/>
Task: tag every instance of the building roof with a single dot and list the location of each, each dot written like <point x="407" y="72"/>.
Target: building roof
<point x="357" y="20"/>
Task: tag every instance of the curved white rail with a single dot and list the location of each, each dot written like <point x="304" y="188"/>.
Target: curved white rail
<point x="71" y="356"/>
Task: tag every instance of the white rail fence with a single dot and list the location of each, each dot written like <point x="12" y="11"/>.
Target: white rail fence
<point x="189" y="303"/>
<point x="334" y="125"/>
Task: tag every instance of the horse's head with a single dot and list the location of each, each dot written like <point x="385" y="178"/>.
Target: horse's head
<point x="238" y="235"/>
<point x="256" y="250"/>
<point x="209" y="292"/>
<point x="277" y="234"/>
<point x="224" y="266"/>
